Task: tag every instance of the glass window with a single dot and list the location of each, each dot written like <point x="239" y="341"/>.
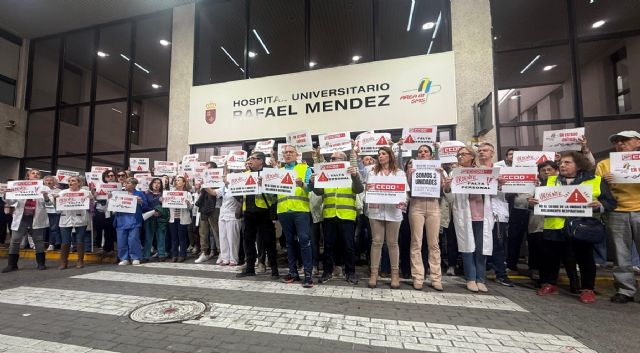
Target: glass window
<point x="410" y="27"/>
<point x="598" y="134"/>
<point x="276" y="37"/>
<point x="78" y="62"/>
<point x="527" y="138"/>
<point x="221" y="41"/>
<point x="113" y="62"/>
<point x="149" y="123"/>
<point x="115" y="160"/>
<point x="9" y="59"/>
<point x="7" y="91"/>
<point x="75" y="163"/>
<point x="44" y="80"/>
<point x="534" y="84"/>
<point x="341" y="32"/>
<point x="42" y="164"/>
<point x="74" y="126"/>
<point x="40" y="133"/>
<point x="600" y="17"/>
<point x="153" y="55"/>
<point x="110" y="127"/>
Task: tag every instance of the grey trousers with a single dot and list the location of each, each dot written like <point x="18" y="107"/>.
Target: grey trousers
<point x="624" y="230"/>
<point x="17" y="235"/>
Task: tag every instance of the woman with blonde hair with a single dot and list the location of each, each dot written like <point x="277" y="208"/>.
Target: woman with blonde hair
<point x="179" y="220"/>
<point x="70" y="220"/>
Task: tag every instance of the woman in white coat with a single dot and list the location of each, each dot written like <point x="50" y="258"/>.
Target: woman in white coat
<point x="70" y="220"/>
<point x="32" y="214"/>
<point x="473" y="220"/>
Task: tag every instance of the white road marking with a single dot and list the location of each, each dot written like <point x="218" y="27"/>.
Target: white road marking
<point x="14" y="344"/>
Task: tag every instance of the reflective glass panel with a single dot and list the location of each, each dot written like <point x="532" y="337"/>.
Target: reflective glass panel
<point x="113" y="62"/>
<point x="44" y="80"/>
<point x="110" y="127"/>
<point x="153" y="55"/>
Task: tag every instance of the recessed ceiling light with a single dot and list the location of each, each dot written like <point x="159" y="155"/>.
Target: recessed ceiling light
<point x="155" y="85"/>
<point x="312" y="64"/>
<point x="164" y="42"/>
<point x="252" y="54"/>
<point x="514" y="96"/>
<point x="531" y="63"/>
<point x="356" y="57"/>
<point x="125" y="57"/>
<point x="598" y="24"/>
<point x="428" y="25"/>
<point x="548" y="67"/>
<point x="102" y="54"/>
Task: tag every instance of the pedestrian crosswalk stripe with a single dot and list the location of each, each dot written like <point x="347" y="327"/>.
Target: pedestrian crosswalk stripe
<point x="14" y="344"/>
<point x="343" y="292"/>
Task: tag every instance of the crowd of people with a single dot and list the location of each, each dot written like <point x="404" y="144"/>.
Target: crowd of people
<point x="335" y="229"/>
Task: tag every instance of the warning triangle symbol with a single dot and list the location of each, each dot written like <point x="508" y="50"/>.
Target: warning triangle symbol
<point x="139" y="168"/>
<point x="576" y="197"/>
<point x="382" y="141"/>
<point x="232" y="159"/>
<point x="543" y="158"/>
<point x="287" y="179"/>
<point x="250" y="181"/>
<point x="409" y="139"/>
<point x="323" y="177"/>
<point x="60" y="177"/>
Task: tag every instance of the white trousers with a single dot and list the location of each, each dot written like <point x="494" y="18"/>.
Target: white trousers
<point x="229" y="239"/>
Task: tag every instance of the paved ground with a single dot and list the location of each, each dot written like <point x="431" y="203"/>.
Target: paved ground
<point x="87" y="311"/>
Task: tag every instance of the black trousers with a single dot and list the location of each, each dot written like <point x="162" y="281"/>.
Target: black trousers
<point x="568" y="252"/>
<point x="340" y="231"/>
<point x="102" y="225"/>
<point x="518" y="226"/>
<point x="255" y="222"/>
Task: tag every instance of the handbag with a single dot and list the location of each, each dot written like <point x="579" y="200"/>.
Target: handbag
<point x="273" y="209"/>
<point x="587" y="229"/>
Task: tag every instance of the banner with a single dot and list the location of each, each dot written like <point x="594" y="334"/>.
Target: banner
<point x="236" y="160"/>
<point x="103" y="190"/>
<point x="383" y="94"/>
<point x="386" y="189"/>
<point x="99" y="169"/>
<point x="371" y="143"/>
<point x="415" y="137"/>
<point x="24" y="189"/>
<point x="218" y="160"/>
<point x="139" y="164"/>
<point x="278" y="181"/>
<point x="519" y="180"/>
<point x="161" y="168"/>
<point x="332" y="175"/>
<point x="483" y="181"/>
<point x="562" y="140"/>
<point x="144" y="179"/>
<point x="531" y="158"/>
<point x="213" y="178"/>
<point x="265" y="146"/>
<point x="175" y="199"/>
<point x="63" y="175"/>
<point x="625" y="167"/>
<point x="448" y="150"/>
<point x="564" y="201"/>
<point x="338" y="141"/>
<point x="241" y="184"/>
<point x="122" y="202"/>
<point x="93" y="179"/>
<point x="425" y="181"/>
<point x="301" y="140"/>
<point x="72" y="201"/>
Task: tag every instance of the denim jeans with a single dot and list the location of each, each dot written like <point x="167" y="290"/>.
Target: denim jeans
<point x="67" y="237"/>
<point x="297" y="226"/>
<point x="498" y="256"/>
<point x="179" y="238"/>
<point x="153" y="229"/>
<point x="129" y="244"/>
<point x="54" y="229"/>
<point x="474" y="263"/>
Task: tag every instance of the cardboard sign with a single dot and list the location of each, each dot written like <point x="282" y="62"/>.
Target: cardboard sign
<point x="122" y="202"/>
<point x="71" y="201"/>
<point x="241" y="184"/>
<point x="448" y="151"/>
<point x="24" y="189"/>
<point x="93" y="179"/>
<point x="425" y="181"/>
<point x="103" y="190"/>
<point x="213" y="178"/>
<point x="338" y="141"/>
<point x="265" y="146"/>
<point x="236" y="160"/>
<point x="174" y="199"/>
<point x="144" y="179"/>
<point x="278" y="181"/>
<point x="139" y="164"/>
<point x="562" y="140"/>
<point x="188" y="158"/>
<point x="371" y="143"/>
<point x="301" y="140"/>
<point x="564" y="201"/>
<point x="531" y="158"/>
<point x="625" y="167"/>
<point x="415" y="137"/>
<point x="218" y="160"/>
<point x="386" y="189"/>
<point x="483" y="181"/>
<point x="99" y="169"/>
<point x="332" y="175"/>
<point x="63" y="175"/>
<point x="519" y="180"/>
<point x="281" y="153"/>
<point x="161" y="168"/>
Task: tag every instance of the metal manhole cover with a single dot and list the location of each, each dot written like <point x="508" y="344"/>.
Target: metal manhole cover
<point x="166" y="311"/>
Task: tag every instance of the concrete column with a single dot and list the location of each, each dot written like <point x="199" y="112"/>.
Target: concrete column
<point x="181" y="80"/>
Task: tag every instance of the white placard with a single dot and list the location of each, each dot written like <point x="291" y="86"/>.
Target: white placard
<point x="405" y="153"/>
<point x="167" y="168"/>
<point x="448" y="151"/>
<point x="562" y="140"/>
<point x="218" y="160"/>
<point x="531" y="158"/>
<point x="483" y="181"/>
<point x="389" y="189"/>
<point x="625" y="167"/>
<point x="278" y="181"/>
<point x="93" y="179"/>
<point x="371" y="143"/>
<point x="334" y="142"/>
<point x="425" y="181"/>
<point x="139" y="164"/>
<point x="301" y="140"/>
<point x="24" y="189"/>
<point x="122" y="202"/>
<point x="3" y="189"/>
<point x="144" y="179"/>
<point x="99" y="169"/>
<point x="63" y="175"/>
<point x="198" y="173"/>
<point x="281" y="153"/>
<point x="72" y="201"/>
<point x="519" y="180"/>
<point x="236" y="160"/>
<point x="103" y="190"/>
<point x="241" y="184"/>
<point x="213" y="178"/>
<point x="415" y="137"/>
<point x="188" y="158"/>
<point x="564" y="201"/>
<point x="174" y="199"/>
<point x="265" y="146"/>
<point x="332" y="175"/>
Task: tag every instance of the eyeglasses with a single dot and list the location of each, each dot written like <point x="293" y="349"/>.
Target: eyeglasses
<point x="463" y="154"/>
<point x="111" y="175"/>
<point x="336" y="159"/>
<point x="288" y="152"/>
<point x="121" y="175"/>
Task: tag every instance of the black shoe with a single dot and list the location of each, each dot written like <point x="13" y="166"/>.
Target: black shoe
<point x="290" y="279"/>
<point x="246" y="273"/>
<point x="620" y="298"/>
<point x="275" y="276"/>
<point x="40" y="260"/>
<point x="12" y="264"/>
<point x="352" y="279"/>
<point x="325" y="278"/>
<point x="308" y="283"/>
<point x="505" y="282"/>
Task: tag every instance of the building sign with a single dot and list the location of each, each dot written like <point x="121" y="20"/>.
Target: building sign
<point x="564" y="201"/>
<point x="385" y="94"/>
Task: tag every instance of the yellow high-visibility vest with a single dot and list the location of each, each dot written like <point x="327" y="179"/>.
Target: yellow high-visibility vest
<point x="299" y="202"/>
<point x="339" y="202"/>
<point x="558" y="222"/>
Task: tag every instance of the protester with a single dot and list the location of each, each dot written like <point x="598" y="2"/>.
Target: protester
<point x="208" y="204"/>
<point x="128" y="226"/>
<point x="102" y="221"/>
<point x="155" y="227"/>
<point x="53" y="231"/>
<point x="179" y="220"/>
<point x="229" y="227"/>
<point x="76" y="220"/>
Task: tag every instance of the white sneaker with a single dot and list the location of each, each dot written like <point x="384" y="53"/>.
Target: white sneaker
<point x="261" y="268"/>
<point x="315" y="271"/>
<point x="337" y="271"/>
<point x="636" y="269"/>
<point x="190" y="248"/>
<point x="124" y="263"/>
<point x="451" y="271"/>
<point x="202" y="258"/>
<point x="51" y="248"/>
<point x="136" y="262"/>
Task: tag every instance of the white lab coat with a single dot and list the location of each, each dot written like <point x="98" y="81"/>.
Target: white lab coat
<point x="462" y="221"/>
<point x="40" y="217"/>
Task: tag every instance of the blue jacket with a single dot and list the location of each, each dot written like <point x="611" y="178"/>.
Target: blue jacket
<point x="131" y="220"/>
<point x="151" y="201"/>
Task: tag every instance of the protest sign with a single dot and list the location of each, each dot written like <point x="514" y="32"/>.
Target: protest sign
<point x="72" y="201"/>
<point x="167" y="168"/>
<point x="99" y="169"/>
<point x="564" y="201"/>
<point x="371" y="143"/>
<point x="139" y="164"/>
<point x="415" y="137"/>
<point x="63" y="175"/>
<point x="198" y="173"/>
<point x="265" y="146"/>
<point x="175" y="199"/>
<point x="278" y="181"/>
<point x="425" y="181"/>
<point x="562" y="140"/>
<point x="143" y="181"/>
<point x="236" y="159"/>
<point x="188" y="158"/>
<point x="386" y="189"/>
<point x="103" y="190"/>
<point x="213" y="178"/>
<point x="301" y="140"/>
<point x="332" y="175"/>
<point x="122" y="202"/>
<point x="519" y="179"/>
<point x="405" y="153"/>
<point x="338" y="141"/>
<point x="218" y="160"/>
<point x="448" y="151"/>
<point x="93" y="179"/>
<point x="482" y="181"/>
<point x="3" y="189"/>
<point x="531" y="158"/>
<point x="24" y="189"/>
<point x="241" y="184"/>
<point x="625" y="167"/>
